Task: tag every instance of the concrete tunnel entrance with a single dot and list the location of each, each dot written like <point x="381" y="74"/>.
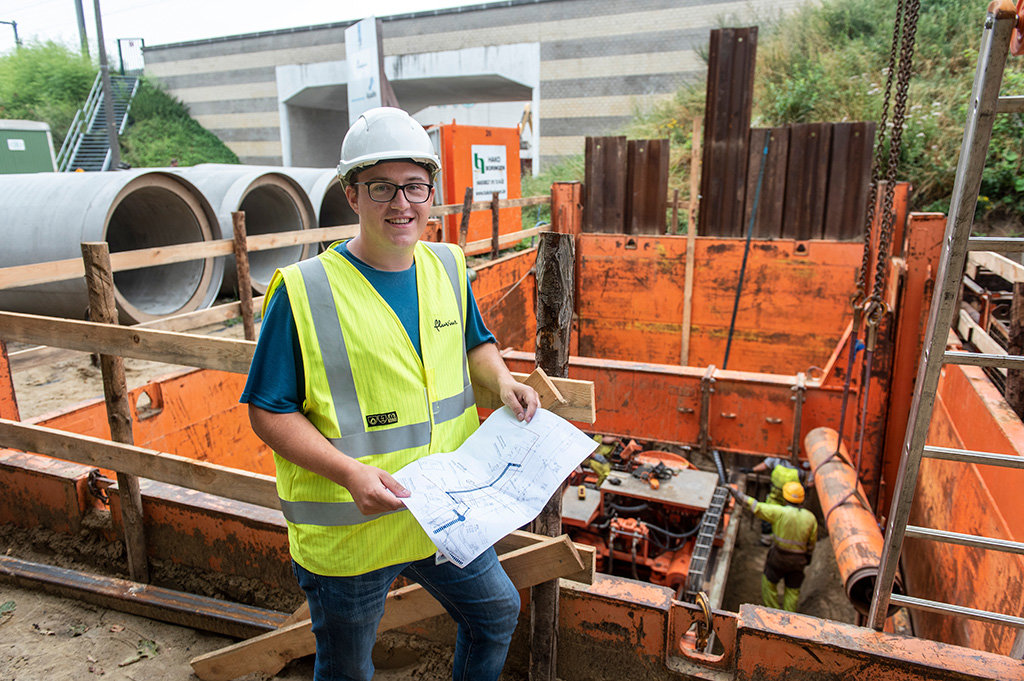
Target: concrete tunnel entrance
<point x="313" y="98"/>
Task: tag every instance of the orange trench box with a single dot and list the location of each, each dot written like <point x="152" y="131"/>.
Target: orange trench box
<point x="789" y="339"/>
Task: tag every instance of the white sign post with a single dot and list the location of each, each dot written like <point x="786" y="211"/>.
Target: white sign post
<point x="490" y="173"/>
<point x="364" y="87"/>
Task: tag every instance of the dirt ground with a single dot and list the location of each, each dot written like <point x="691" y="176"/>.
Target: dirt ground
<point x="48" y="638"/>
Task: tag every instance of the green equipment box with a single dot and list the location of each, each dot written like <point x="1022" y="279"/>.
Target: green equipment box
<point x="26" y="147"/>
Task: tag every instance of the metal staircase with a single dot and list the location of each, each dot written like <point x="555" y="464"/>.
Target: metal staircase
<point x="1000" y="25"/>
<point x="87" y="145"/>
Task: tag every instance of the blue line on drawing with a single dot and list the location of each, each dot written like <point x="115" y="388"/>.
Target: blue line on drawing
<point x="458" y="519"/>
<point x="492" y="483"/>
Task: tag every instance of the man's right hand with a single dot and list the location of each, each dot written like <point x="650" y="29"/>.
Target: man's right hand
<point x="374" y="490"/>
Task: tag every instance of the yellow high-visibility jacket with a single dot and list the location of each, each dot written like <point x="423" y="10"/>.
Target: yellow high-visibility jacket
<point x="370" y="394"/>
<point x="794" y="529"/>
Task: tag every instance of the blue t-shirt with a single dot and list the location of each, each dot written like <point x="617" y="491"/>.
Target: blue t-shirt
<point x="277" y="385"/>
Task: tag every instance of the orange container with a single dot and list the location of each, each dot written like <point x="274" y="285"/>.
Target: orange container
<point x="487" y="159"/>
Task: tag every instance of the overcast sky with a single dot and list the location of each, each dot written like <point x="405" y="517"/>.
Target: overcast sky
<point x="169" y="21"/>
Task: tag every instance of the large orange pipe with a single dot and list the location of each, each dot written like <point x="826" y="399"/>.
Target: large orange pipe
<point x="856" y="537"/>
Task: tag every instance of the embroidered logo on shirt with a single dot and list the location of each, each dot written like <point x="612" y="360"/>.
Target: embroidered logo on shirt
<point x="438" y="324"/>
<point x="385" y="419"/>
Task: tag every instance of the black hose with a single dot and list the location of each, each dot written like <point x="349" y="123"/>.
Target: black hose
<point x="627" y="509"/>
<point x="717" y="456"/>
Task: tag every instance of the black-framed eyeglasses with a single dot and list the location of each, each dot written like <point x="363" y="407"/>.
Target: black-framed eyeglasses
<point x="382" y="191"/>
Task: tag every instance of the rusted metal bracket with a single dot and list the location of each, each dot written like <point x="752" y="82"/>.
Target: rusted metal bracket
<point x="707" y="382"/>
<point x="799" y="395"/>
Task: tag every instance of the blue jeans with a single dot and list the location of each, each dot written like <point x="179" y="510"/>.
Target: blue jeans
<point x="346" y="611"/>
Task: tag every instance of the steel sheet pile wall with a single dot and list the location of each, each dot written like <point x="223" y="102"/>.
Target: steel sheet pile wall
<point x="47" y="216"/>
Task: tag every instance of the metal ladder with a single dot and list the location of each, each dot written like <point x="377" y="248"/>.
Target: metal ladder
<point x="985" y="104"/>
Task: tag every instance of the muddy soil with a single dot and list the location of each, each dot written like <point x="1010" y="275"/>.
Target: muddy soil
<point x="50" y="638"/>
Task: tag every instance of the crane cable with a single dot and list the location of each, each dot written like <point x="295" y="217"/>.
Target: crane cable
<point x="871" y="309"/>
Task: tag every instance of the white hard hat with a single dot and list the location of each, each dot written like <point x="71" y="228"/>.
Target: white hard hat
<point x="386" y="134"/>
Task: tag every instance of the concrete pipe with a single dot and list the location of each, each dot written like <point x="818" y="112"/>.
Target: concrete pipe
<point x="856" y="538"/>
<point x="47" y="216"/>
<point x="325" y="192"/>
<point x="272" y="201"/>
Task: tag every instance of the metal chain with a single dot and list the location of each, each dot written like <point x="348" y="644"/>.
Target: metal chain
<point x="895" y="143"/>
<point x="879" y="158"/>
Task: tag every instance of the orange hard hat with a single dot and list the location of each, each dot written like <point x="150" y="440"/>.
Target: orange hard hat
<point x="793" y="492"/>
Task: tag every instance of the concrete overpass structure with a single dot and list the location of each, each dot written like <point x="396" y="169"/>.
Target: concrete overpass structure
<point x="585" y="67"/>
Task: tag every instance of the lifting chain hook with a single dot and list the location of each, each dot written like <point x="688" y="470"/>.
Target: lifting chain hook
<point x="704" y="627"/>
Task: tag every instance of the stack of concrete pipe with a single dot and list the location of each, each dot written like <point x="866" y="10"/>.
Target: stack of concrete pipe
<point x="272" y="202"/>
<point x="46" y="216"/>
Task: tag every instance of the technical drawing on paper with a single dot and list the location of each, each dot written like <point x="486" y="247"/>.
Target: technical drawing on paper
<point x="498" y="480"/>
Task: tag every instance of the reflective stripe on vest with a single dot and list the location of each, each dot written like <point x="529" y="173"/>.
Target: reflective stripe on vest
<point x="355" y="440"/>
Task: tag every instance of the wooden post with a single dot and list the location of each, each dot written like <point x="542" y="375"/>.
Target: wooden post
<point x="244" y="281"/>
<point x="675" y="211"/>
<point x="695" y="170"/>
<point x="567" y="208"/>
<point x="555" y="277"/>
<point x="467" y="202"/>
<point x="1015" y="377"/>
<point x="103" y="309"/>
<point x="691" y="244"/>
<point x="494" y="225"/>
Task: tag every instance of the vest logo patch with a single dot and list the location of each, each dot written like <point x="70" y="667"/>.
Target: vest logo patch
<point x="438" y="324"/>
<point x="384" y="419"/>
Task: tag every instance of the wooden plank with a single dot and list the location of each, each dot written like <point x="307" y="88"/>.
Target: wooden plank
<point x="224" y="354"/>
<point x="103" y="308"/>
<point x="604" y="196"/>
<point x="972" y="333"/>
<point x="806" y="179"/>
<point x="504" y="240"/>
<point x="768" y="223"/>
<point x="546" y="389"/>
<point x="456" y="208"/>
<point x="646" y="186"/>
<point x="849" y="177"/>
<point x="579" y="396"/>
<point x="997" y="264"/>
<point x="548" y="558"/>
<point x="172" y="469"/>
<point x="695" y="174"/>
<point x="518" y="539"/>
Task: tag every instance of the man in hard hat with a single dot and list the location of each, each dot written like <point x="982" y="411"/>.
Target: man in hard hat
<point x="794" y="533"/>
<point x="365" y="362"/>
<point x="782" y="471"/>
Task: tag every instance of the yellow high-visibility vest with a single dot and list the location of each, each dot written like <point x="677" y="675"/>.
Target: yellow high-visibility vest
<point x="371" y="395"/>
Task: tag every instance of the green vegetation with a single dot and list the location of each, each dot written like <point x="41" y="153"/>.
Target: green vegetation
<point x="45" y="82"/>
<point x="161" y="130"/>
<point x="49" y="82"/>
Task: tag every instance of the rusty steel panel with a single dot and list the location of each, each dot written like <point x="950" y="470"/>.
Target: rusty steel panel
<point x="776" y="645"/>
<point x="199" y="530"/>
<point x="982" y="500"/>
<point x="729" y="98"/>
<point x="37" y="491"/>
<point x="750" y="413"/>
<point x="604" y="193"/>
<point x="849" y="176"/>
<point x="646" y="186"/>
<point x="506" y="294"/>
<point x="794" y="305"/>
<point x="768" y="223"/>
<point x="923" y="250"/>
<point x="806" y="180"/>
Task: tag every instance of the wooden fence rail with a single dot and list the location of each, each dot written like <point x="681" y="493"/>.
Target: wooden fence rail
<point x="71" y="268"/>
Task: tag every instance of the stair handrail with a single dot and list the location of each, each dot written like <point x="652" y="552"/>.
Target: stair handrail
<point x="79" y="125"/>
<point x="128" y="105"/>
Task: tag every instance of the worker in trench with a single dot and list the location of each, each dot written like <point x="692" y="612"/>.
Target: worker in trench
<point x="782" y="471"/>
<point x="794" y="533"/>
<point x="364" y="364"/>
